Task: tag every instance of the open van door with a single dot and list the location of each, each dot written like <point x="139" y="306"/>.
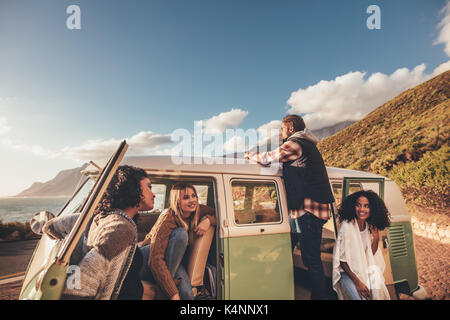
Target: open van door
<point x="48" y="268"/>
<point x="376" y="185"/>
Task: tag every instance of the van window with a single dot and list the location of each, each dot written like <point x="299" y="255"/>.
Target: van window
<point x="159" y="190"/>
<point x="374" y="186"/>
<point x="337" y="191"/>
<point x="255" y="202"/>
<point x="76" y="203"/>
<point x="202" y="193"/>
<point x="161" y="187"/>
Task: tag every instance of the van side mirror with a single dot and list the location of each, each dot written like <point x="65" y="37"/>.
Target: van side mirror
<point x="39" y="220"/>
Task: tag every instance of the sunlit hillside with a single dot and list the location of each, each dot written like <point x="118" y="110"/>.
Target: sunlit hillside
<point x="406" y="139"/>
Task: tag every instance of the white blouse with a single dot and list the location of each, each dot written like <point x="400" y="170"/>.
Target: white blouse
<point x="354" y="247"/>
<point x="366" y="241"/>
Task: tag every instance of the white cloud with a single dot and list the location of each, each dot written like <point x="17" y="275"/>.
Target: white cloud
<point x="235" y="144"/>
<point x="4" y="128"/>
<point x="217" y="125"/>
<point x="33" y="149"/>
<point x="144" y="142"/>
<point x="246" y="140"/>
<point x="441" y="68"/>
<point x="353" y="95"/>
<point x="98" y="149"/>
<point x="269" y="129"/>
<point x="230" y="119"/>
<point x="444" y="26"/>
<point x="8" y="102"/>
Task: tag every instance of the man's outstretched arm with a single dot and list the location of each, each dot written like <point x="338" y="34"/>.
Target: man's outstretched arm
<point x="288" y="151"/>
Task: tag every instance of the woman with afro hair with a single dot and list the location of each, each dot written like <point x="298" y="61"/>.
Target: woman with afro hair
<point x="358" y="265"/>
<point x="109" y="259"/>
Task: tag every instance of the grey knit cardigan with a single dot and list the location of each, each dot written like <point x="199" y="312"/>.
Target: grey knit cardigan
<point x="104" y="253"/>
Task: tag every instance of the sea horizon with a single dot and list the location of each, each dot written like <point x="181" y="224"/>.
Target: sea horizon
<point x="22" y="209"/>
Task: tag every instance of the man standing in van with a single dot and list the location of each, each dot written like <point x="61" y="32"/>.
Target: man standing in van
<point x="308" y="192"/>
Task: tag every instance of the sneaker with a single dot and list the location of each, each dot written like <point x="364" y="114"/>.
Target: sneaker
<point x="203" y="294"/>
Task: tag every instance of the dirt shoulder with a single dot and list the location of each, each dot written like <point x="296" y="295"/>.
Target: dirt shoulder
<point x="433" y="264"/>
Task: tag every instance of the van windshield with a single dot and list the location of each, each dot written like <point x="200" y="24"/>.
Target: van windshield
<point x="76" y="203"/>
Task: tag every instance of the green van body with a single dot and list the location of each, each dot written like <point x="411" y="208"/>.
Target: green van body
<point x="254" y="260"/>
<point x="264" y="261"/>
<point x="402" y="255"/>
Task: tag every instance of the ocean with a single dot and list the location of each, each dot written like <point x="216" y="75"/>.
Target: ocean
<point x="23" y="209"/>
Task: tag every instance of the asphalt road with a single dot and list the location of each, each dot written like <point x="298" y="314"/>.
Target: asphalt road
<point x="15" y="255"/>
<point x="14" y="259"/>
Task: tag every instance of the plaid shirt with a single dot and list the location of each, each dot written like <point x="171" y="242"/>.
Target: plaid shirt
<point x="320" y="210"/>
<point x="291" y="150"/>
<point x="288" y="151"/>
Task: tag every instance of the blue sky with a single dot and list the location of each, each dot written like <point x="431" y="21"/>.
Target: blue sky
<point x="151" y="67"/>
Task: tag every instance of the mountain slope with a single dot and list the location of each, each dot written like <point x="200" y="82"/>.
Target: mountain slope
<point x="63" y="184"/>
<point x="329" y="131"/>
<point x="406" y="139"/>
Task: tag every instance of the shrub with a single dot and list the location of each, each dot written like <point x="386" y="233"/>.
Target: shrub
<point x="23" y="228"/>
<point x="426" y="178"/>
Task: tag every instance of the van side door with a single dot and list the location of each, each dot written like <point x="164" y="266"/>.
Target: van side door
<point x="257" y="246"/>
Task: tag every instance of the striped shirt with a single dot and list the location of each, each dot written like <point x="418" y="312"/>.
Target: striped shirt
<point x="288" y="151"/>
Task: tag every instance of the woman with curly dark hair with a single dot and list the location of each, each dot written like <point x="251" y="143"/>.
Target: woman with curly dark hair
<point x="358" y="265"/>
<point x="128" y="190"/>
<point x="111" y="262"/>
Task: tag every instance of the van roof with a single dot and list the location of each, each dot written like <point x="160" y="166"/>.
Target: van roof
<point x="220" y="165"/>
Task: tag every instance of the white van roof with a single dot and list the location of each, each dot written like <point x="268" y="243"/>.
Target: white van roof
<point x="220" y="165"/>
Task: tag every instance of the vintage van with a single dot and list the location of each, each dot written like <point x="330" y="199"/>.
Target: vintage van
<point x="250" y="248"/>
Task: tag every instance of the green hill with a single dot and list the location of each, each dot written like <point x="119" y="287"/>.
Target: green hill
<point x="405" y="139"/>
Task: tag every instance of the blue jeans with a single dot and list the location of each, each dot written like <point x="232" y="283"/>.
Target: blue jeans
<point x="295" y="232"/>
<point x="349" y="287"/>
<point x="310" y="240"/>
<point x="176" y="248"/>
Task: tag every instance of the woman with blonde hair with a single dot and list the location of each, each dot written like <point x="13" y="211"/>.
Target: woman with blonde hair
<point x="169" y="238"/>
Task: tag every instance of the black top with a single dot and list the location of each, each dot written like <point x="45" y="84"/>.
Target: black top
<point x="132" y="288"/>
<point x="306" y="177"/>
